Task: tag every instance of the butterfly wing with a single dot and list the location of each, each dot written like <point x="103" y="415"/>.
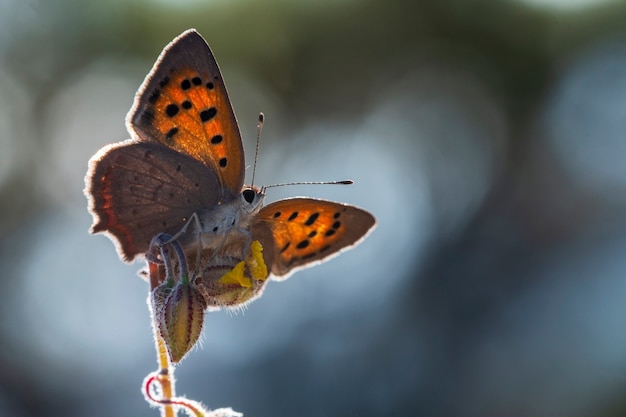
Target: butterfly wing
<point x="183" y="104"/>
<point x="139" y="189"/>
<point x="301" y="232"/>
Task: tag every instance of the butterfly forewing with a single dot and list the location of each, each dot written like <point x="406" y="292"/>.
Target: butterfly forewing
<point x="299" y="232"/>
<point x="183" y="104"/>
<point x="139" y="189"/>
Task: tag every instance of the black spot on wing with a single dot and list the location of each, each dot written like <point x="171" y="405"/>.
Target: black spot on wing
<point x="171" y="110"/>
<point x="312" y="218"/>
<point x="171" y="133"/>
<point x="303" y="244"/>
<point x="208" y="114"/>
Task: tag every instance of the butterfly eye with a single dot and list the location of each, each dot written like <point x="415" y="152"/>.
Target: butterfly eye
<point x="252" y="199"/>
<point x="248" y="195"/>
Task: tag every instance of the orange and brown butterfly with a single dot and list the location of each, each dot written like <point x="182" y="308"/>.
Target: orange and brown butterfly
<point x="182" y="174"/>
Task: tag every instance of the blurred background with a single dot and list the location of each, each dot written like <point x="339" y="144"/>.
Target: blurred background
<point x="488" y="137"/>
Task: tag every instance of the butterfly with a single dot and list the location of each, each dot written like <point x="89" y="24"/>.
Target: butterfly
<point x="182" y="175"/>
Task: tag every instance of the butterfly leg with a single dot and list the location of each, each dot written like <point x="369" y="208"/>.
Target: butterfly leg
<point x="245" y="249"/>
<point x="194" y="222"/>
<point x="193" y="219"/>
<point x="160" y="246"/>
<point x="156" y="251"/>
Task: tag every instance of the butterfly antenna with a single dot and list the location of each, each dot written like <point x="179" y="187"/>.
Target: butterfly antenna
<point x="258" y="141"/>
<point x="344" y="182"/>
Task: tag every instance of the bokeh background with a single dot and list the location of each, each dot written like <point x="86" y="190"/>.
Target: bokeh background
<point x="488" y="137"/>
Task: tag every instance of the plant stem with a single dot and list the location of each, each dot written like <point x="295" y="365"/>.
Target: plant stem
<point x="166" y="376"/>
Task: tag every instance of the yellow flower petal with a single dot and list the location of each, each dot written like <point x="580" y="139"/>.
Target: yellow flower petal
<point x="235" y="276"/>
<point x="255" y="261"/>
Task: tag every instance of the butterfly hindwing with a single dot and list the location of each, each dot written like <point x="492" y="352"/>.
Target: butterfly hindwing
<point x="300" y="232"/>
<point x="183" y="104"/>
<point x="139" y="189"/>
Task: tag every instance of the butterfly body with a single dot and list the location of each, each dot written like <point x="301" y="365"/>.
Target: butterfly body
<point x="182" y="174"/>
<point x="226" y="221"/>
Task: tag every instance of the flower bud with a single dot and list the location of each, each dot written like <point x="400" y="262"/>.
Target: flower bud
<point x="179" y="315"/>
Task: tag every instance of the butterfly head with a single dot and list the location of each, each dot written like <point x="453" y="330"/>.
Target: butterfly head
<point x="252" y="199"/>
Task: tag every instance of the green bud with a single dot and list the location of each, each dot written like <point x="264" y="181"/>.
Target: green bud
<point x="179" y="314"/>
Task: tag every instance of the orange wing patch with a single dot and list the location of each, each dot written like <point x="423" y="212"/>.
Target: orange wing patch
<point x="307" y="230"/>
<point x="302" y="234"/>
<point x="183" y="104"/>
<point x="193" y="120"/>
